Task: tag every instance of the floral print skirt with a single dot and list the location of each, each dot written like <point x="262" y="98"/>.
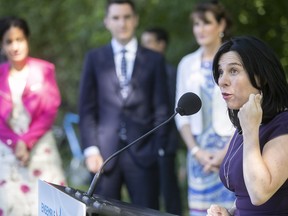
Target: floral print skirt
<point x="19" y="185"/>
<point x="206" y="188"/>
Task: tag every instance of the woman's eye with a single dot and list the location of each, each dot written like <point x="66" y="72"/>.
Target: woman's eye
<point x="220" y="72"/>
<point x="21" y="39"/>
<point x="7" y="42"/>
<point x="233" y="71"/>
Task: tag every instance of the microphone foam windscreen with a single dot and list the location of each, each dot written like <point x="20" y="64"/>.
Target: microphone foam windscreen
<point x="188" y="104"/>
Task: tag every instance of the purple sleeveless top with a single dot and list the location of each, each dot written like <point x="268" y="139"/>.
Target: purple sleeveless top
<point x="234" y="181"/>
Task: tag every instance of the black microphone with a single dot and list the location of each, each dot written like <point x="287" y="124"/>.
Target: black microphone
<point x="188" y="104"/>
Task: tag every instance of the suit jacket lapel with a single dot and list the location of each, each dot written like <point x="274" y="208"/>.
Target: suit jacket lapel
<point x="138" y="68"/>
<point x="138" y="64"/>
<point x="109" y="66"/>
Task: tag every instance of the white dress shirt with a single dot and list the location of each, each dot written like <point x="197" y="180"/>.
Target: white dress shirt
<point x="130" y="55"/>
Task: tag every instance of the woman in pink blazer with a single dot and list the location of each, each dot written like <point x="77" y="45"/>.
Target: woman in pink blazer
<point x="29" y="101"/>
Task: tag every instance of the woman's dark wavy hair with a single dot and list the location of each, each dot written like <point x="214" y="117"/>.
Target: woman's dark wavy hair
<point x="7" y="22"/>
<point x="259" y="61"/>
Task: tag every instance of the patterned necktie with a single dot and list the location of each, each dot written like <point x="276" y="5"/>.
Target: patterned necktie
<point x="124" y="79"/>
<point x="124" y="64"/>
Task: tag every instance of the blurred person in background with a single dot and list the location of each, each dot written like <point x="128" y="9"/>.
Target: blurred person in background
<point x="157" y="39"/>
<point x="206" y="134"/>
<point x="29" y="101"/>
<point x="123" y="95"/>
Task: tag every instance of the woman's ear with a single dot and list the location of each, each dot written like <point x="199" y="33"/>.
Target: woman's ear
<point x="222" y="25"/>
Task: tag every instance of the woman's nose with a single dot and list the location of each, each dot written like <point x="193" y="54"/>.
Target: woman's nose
<point x="223" y="80"/>
<point x="201" y="28"/>
<point x="15" y="45"/>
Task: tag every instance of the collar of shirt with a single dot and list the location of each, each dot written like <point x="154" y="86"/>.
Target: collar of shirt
<point x="130" y="55"/>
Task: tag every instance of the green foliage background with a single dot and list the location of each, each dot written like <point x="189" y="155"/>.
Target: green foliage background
<point x="63" y="30"/>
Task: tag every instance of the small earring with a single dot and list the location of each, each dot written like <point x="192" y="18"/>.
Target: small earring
<point x="221" y="34"/>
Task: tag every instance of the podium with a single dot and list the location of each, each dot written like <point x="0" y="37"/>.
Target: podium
<point x="65" y="201"/>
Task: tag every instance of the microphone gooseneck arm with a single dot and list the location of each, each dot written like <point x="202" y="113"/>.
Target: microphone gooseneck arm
<point x="97" y="175"/>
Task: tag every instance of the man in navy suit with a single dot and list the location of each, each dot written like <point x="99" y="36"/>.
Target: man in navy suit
<point x="123" y="95"/>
